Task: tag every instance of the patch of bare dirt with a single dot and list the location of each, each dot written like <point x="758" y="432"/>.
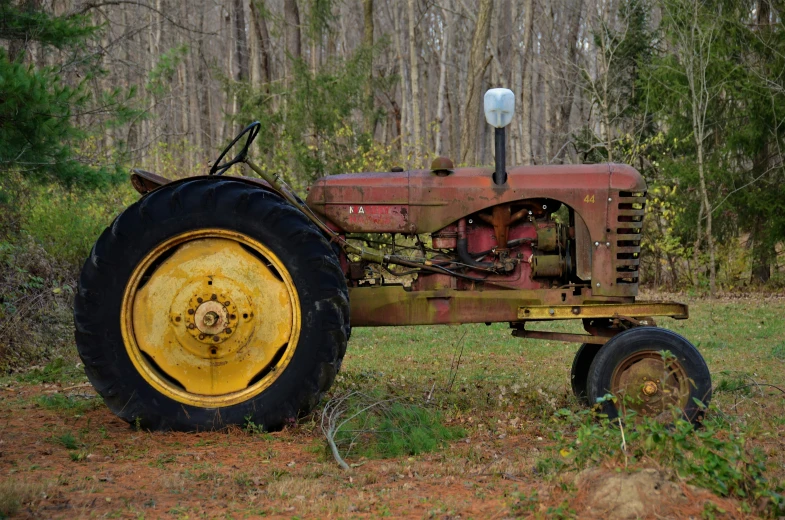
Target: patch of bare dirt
<point x="88" y="463"/>
<point x="619" y="495"/>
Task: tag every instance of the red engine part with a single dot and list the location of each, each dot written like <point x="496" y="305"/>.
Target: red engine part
<point x="481" y="238"/>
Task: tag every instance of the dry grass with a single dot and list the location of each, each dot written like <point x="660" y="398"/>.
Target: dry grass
<point x="14" y="494"/>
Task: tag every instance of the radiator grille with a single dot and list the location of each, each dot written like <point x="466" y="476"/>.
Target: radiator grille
<point x="632" y="207"/>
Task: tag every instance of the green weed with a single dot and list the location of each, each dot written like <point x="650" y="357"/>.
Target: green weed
<point x="60" y="402"/>
<point x="713" y="456"/>
<point x="162" y="460"/>
<point x="56" y="371"/>
<point x="526" y="504"/>
<point x="77" y="456"/>
<point x="393" y="429"/>
<point x="734" y="382"/>
<point x="253" y="428"/>
<point x="243" y="480"/>
<point x="68" y="441"/>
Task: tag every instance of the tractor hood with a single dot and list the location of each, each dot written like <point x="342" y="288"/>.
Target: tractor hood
<point x="419" y="201"/>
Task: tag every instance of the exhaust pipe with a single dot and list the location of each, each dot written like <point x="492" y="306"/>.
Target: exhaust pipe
<point x="499" y="106"/>
<point x="500" y="175"/>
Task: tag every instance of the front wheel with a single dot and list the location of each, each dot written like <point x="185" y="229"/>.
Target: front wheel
<point x="650" y="371"/>
<point x="209" y="303"/>
<point x="580" y="370"/>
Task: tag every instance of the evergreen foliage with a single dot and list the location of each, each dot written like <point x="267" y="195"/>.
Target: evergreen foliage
<point x="39" y="137"/>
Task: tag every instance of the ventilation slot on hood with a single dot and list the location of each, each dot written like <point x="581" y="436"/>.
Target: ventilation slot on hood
<point x="628" y="236"/>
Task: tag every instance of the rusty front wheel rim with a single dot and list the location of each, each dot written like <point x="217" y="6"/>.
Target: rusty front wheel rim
<point x="210" y="318"/>
<point x="650" y="383"/>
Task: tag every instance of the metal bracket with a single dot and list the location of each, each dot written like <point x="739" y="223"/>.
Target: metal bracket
<point x="675" y="310"/>
<point x="561" y="336"/>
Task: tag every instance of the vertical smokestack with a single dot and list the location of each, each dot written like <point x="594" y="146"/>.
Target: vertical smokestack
<point x="500" y="175"/>
<point x="499" y="105"/>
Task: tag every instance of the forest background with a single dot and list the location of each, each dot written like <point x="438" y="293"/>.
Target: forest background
<point x="690" y="92"/>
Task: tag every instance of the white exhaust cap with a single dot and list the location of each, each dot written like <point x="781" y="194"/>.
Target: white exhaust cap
<point x="499" y="105"/>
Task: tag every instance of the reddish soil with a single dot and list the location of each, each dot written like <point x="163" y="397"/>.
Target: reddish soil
<point x="112" y="470"/>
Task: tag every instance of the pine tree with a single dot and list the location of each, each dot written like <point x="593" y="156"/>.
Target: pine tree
<point x="38" y="133"/>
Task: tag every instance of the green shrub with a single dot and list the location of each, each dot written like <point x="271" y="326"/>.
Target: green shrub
<point x="68" y="441"/>
<point x="734" y="382"/>
<point x="386" y="429"/>
<point x="36" y="294"/>
<point x="60" y="402"/>
<point x="67" y="223"/>
<point x="55" y="371"/>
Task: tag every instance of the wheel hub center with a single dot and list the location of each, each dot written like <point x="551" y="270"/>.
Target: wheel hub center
<point x="649" y="388"/>
<point x="211" y="317"/>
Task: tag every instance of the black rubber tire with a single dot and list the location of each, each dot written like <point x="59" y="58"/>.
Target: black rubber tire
<point x="627" y="343"/>
<point x="198" y="204"/>
<point x="348" y="326"/>
<point x="579" y="373"/>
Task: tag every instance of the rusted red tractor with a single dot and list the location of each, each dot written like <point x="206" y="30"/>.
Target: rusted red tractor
<point x="217" y="300"/>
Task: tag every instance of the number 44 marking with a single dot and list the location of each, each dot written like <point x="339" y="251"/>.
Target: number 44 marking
<point x="589" y="199"/>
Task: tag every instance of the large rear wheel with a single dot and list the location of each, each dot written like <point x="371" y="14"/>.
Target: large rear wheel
<point x="208" y="303"/>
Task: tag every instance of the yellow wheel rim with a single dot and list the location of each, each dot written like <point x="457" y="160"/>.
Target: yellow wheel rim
<point x="210" y="318"/>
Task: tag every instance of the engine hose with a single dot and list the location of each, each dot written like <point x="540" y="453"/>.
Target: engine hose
<point x="511" y="243"/>
<point x="463" y="249"/>
<point x="430" y="267"/>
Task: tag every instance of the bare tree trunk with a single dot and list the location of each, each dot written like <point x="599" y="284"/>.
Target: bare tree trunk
<point x="455" y="127"/>
<point x="446" y="23"/>
<point x="697" y="245"/>
<point x="763" y="253"/>
<point x="514" y="83"/>
<point x="763" y="250"/>
<point x="569" y="78"/>
<point x="291" y="15"/>
<point x="240" y="41"/>
<point x="477" y="65"/>
<point x="404" y="126"/>
<point x="527" y="98"/>
<point x="370" y="117"/>
<point x="414" y="67"/>
<point x="263" y="36"/>
<point x="696" y="54"/>
<point x="709" y="236"/>
<point x="547" y="119"/>
<point x="202" y="80"/>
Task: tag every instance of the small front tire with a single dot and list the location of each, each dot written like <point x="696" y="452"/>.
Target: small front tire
<point x="650" y="371"/>
<point x="580" y="370"/>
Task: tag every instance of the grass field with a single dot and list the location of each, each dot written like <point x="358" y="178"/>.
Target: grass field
<point x="524" y="448"/>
